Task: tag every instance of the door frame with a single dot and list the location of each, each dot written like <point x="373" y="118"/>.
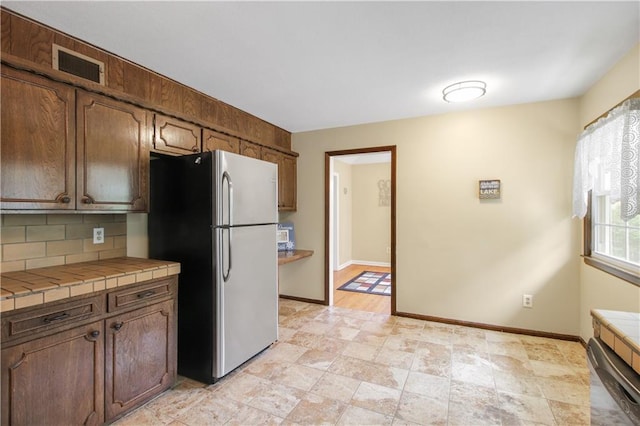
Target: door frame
<point x="335" y="231"/>
<point x="327" y="210"/>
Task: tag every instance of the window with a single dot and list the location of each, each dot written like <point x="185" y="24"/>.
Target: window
<point x="611" y="244"/>
<point x="606" y="190"/>
<point x="613" y="239"/>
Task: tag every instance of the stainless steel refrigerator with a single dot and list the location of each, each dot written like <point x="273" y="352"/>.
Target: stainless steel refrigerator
<point x="216" y="213"/>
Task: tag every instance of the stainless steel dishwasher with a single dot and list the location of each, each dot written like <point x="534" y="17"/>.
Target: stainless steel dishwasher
<point x="615" y="387"/>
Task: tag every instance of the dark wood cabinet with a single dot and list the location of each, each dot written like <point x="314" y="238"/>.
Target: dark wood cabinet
<point x="176" y="137"/>
<point x="212" y="140"/>
<point x="249" y="149"/>
<point x="58" y="379"/>
<point x="37" y="143"/>
<point x="78" y="150"/>
<point x="140" y="357"/>
<point x="113" y="154"/>
<point x="89" y="359"/>
<point x="286" y="177"/>
<point x="67" y="149"/>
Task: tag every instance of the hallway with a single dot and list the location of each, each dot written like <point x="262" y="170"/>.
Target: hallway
<point x="359" y="301"/>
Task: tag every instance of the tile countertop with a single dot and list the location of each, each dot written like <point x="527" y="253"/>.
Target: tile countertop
<point x="20" y="289"/>
<point x="621" y="332"/>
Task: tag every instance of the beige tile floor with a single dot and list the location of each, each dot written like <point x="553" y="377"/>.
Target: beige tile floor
<point x="339" y="366"/>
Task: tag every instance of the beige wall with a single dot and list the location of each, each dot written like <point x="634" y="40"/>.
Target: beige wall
<point x="371" y="221"/>
<point x="137" y="235"/>
<point x="458" y="257"/>
<point x="597" y="289"/>
<point x="29" y="241"/>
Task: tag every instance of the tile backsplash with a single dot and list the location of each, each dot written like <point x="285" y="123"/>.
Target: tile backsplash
<point x="29" y="241"/>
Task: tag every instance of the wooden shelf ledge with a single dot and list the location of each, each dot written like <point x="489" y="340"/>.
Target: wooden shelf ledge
<point x="293" y="255"/>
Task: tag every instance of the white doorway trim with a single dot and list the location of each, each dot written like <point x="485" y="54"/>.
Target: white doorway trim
<point x="335" y="227"/>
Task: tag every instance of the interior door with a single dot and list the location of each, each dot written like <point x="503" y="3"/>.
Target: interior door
<point x="247" y="294"/>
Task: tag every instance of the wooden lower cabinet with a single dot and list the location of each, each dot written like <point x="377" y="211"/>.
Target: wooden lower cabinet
<point x="55" y="380"/>
<point x="139" y="356"/>
<point x="116" y="356"/>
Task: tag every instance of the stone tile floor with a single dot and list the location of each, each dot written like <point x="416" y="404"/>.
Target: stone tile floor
<point x="339" y="366"/>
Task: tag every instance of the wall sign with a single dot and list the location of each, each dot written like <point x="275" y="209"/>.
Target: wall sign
<point x="384" y="192"/>
<point x="489" y="189"/>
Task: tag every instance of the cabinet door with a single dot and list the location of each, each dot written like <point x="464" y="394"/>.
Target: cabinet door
<point x="57" y="380"/>
<point x="113" y="154"/>
<point x="213" y="140"/>
<point x="37" y="143"/>
<point x="140" y="356"/>
<point x="249" y="149"/>
<point x="173" y="136"/>
<point x="274" y="157"/>
<point x="287" y="177"/>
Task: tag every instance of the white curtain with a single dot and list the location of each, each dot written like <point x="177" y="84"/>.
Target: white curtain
<point x="607" y="161"/>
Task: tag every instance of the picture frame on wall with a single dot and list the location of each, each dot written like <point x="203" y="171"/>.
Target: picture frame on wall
<point x="285" y="237"/>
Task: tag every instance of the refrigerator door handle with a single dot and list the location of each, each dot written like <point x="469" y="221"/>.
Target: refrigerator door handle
<point x="225" y="176"/>
<point x="225" y="276"/>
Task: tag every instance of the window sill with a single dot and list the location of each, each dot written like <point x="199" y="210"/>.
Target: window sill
<point x="613" y="270"/>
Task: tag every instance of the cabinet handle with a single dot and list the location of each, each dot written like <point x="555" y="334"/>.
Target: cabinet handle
<point x="117" y="326"/>
<point x="145" y="294"/>
<point x="57" y="317"/>
<point x="87" y="200"/>
<point x="95" y="333"/>
<point x="195" y="149"/>
<point x="63" y="198"/>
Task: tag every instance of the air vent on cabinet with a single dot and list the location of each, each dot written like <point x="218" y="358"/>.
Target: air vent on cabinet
<point x="78" y="64"/>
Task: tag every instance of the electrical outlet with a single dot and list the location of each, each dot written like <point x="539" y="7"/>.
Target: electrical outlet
<point x="527" y="300"/>
<point x="98" y="235"/>
<point x="388" y="250"/>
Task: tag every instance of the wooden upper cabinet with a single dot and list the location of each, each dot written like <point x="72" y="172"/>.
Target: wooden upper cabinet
<point x="213" y="140"/>
<point x="271" y="156"/>
<point x="177" y="137"/>
<point x="287" y="178"/>
<point x="37" y="143"/>
<point x="287" y="175"/>
<point x="249" y="149"/>
<point x="113" y="154"/>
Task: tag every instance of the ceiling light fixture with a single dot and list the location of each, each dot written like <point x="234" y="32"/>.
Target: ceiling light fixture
<point x="464" y="91"/>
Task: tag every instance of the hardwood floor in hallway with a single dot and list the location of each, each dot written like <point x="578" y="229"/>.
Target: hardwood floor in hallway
<point x="359" y="301"/>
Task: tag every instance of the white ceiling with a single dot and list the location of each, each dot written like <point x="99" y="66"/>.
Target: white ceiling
<point x="312" y="65"/>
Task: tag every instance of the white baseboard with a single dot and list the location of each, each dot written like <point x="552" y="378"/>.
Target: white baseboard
<point x="364" y="262"/>
<point x="369" y="263"/>
<point x="344" y="265"/>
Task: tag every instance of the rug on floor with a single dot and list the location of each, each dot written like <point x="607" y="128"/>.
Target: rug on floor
<point x="370" y="283"/>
